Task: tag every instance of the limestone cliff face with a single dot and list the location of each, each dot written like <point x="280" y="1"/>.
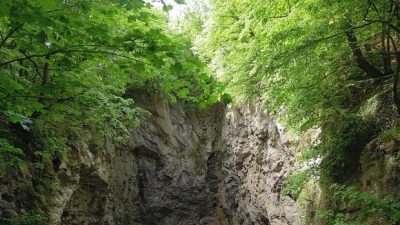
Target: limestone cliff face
<point x="171" y="149"/>
<point x="380" y="159"/>
<point x="215" y="166"/>
<point x="257" y="160"/>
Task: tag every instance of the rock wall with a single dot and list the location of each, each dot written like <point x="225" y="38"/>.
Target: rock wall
<point x="171" y="150"/>
<point x="215" y="166"/>
<point x="257" y="161"/>
<point x="380" y="158"/>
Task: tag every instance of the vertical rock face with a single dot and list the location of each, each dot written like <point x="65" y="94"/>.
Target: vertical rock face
<point x="380" y="169"/>
<point x="256" y="162"/>
<point x="86" y="204"/>
<point x="171" y="150"/>
<point x="202" y="167"/>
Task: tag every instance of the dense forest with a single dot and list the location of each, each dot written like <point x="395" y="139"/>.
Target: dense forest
<point x="330" y="67"/>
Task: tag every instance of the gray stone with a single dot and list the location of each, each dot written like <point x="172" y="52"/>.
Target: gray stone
<point x="9" y="213"/>
<point x="255" y="198"/>
<point x="179" y="167"/>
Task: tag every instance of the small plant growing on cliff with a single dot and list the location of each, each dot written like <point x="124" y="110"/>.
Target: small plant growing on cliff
<point x="10" y="156"/>
<point x="335" y="218"/>
<point x="295" y="183"/>
<point x="390" y="135"/>
<point x="369" y="209"/>
<point x="26" y="219"/>
<point x="198" y="157"/>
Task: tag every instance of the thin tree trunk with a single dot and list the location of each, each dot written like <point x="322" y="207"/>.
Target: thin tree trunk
<point x="395" y="88"/>
<point x="362" y="63"/>
<point x="45" y="74"/>
<point x="385" y="51"/>
<point x="12" y="31"/>
<point x="45" y="78"/>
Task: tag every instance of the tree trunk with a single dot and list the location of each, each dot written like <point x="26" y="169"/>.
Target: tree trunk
<point x="362" y="63"/>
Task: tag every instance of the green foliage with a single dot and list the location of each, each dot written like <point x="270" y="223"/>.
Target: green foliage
<point x="10" y="156"/>
<point x="180" y="1"/>
<point x="295" y="183"/>
<point x="195" y="16"/>
<point x="336" y="218"/>
<point x="65" y="66"/>
<point x="226" y="99"/>
<point x="370" y="209"/>
<point x="311" y="153"/>
<point x="295" y="55"/>
<point x="198" y="157"/>
<point x="343" y="142"/>
<point x="26" y="219"/>
<point x="313" y="63"/>
<point x="390" y="135"/>
<point x="309" y="161"/>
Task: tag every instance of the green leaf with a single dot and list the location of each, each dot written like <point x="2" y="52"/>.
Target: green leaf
<point x="183" y="93"/>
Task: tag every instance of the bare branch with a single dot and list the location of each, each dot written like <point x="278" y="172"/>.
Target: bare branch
<point x="54" y="52"/>
<point x="48" y="98"/>
<point x="33" y="62"/>
<point x="12" y="31"/>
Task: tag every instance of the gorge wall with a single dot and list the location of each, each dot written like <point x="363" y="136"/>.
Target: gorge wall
<point x="257" y="161"/>
<point x="217" y="166"/>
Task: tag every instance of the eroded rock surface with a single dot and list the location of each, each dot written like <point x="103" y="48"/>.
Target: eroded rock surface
<point x="171" y="150"/>
<point x="256" y="162"/>
<point x="215" y="166"/>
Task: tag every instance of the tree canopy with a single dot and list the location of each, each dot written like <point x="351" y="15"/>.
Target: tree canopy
<point x="308" y="59"/>
<point x="65" y="66"/>
<point x="314" y="64"/>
